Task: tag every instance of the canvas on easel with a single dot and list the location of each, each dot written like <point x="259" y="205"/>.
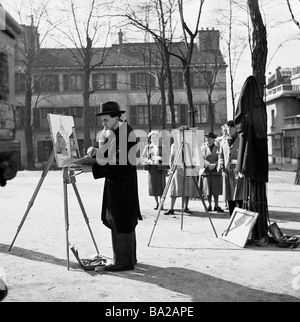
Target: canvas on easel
<point x="65" y="152"/>
<point x="193" y="140"/>
<point x="65" y="144"/>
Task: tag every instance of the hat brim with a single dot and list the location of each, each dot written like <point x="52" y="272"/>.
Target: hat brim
<point x="153" y="132"/>
<point x="112" y="112"/>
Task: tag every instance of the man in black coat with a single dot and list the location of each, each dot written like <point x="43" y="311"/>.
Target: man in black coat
<point x="116" y="161"/>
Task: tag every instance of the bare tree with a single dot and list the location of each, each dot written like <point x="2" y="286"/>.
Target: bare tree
<point x="296" y="21"/>
<point x="186" y="57"/>
<point x="259" y="49"/>
<point x="208" y="79"/>
<point x="87" y="23"/>
<point x="28" y="49"/>
<point x="162" y="33"/>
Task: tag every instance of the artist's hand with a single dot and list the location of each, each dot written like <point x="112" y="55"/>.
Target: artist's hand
<point x="104" y="136"/>
<point x="87" y="168"/>
<point x="156" y="158"/>
<point x="220" y="167"/>
<point x="91" y="152"/>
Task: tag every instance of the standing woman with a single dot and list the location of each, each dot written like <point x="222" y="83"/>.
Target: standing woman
<point x="155" y="157"/>
<point x="211" y="181"/>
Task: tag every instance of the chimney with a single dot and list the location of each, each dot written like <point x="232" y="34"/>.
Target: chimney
<point x="120" y="37"/>
<point x="209" y="39"/>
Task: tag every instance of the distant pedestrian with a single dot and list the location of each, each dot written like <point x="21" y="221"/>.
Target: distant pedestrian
<point x="233" y="182"/>
<point x="211" y="180"/>
<point x="155" y="158"/>
<point x="176" y="188"/>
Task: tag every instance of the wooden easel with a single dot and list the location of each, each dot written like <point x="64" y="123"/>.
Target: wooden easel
<point x="180" y="152"/>
<point x="68" y="178"/>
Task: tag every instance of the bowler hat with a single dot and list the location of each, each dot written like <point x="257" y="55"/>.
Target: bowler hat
<point x="230" y="123"/>
<point x="210" y="135"/>
<point x="110" y="107"/>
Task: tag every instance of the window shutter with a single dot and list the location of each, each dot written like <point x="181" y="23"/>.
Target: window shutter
<point x="36" y="118"/>
<point x="114" y="81"/>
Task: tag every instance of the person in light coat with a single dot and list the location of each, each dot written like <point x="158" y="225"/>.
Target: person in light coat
<point x="233" y="182"/>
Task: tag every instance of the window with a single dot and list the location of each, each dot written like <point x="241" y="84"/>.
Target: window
<point x="272" y="118"/>
<point x="139" y="115"/>
<point x="44" y="150"/>
<point x="73" y="83"/>
<point x="202" y="79"/>
<point x="46" y="83"/>
<point x="4" y="81"/>
<point x="156" y="112"/>
<point x="169" y="118"/>
<point x="62" y="110"/>
<point x="142" y="81"/>
<point x="20" y="83"/>
<point x="104" y="82"/>
<point x="202" y="114"/>
<point x="20" y="116"/>
<point x="76" y="112"/>
<point x="177" y="78"/>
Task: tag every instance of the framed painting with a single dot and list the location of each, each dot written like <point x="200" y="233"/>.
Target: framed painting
<point x="240" y="226"/>
<point x="65" y="144"/>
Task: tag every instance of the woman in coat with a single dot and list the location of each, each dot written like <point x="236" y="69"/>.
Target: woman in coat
<point x="155" y="158"/>
<point x="233" y="182"/>
<point x="211" y="180"/>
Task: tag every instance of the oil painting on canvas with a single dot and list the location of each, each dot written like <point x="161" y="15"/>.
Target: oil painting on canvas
<point x="64" y="139"/>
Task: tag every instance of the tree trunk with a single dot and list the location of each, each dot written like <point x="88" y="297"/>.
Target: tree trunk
<point x="162" y="88"/>
<point x="29" y="165"/>
<point x="189" y="94"/>
<point x="86" y="96"/>
<point x="212" y="113"/>
<point x="260" y="45"/>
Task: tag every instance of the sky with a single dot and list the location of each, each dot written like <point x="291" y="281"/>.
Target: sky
<point x="275" y="14"/>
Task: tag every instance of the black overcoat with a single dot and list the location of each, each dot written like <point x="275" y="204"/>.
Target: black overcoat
<point x="251" y="123"/>
<point x="120" y="203"/>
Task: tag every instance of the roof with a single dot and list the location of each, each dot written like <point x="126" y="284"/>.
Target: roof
<point x="124" y="55"/>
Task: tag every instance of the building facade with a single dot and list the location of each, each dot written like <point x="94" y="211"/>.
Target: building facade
<point x="126" y="75"/>
<point x="283" y="109"/>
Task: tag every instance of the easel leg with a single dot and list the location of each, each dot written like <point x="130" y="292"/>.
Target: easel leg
<point x="43" y="176"/>
<point x="66" y="212"/>
<point x="204" y="205"/>
<point x="183" y="198"/>
<point x="84" y="213"/>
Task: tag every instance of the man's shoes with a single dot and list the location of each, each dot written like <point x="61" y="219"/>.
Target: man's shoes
<point x="156" y="207"/>
<point x="218" y="209"/>
<point x="169" y="212"/>
<point x="209" y="208"/>
<point x="187" y="210"/>
<point x="118" y="268"/>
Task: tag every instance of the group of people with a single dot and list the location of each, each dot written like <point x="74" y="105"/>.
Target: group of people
<point x="219" y="177"/>
<point x="120" y="201"/>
